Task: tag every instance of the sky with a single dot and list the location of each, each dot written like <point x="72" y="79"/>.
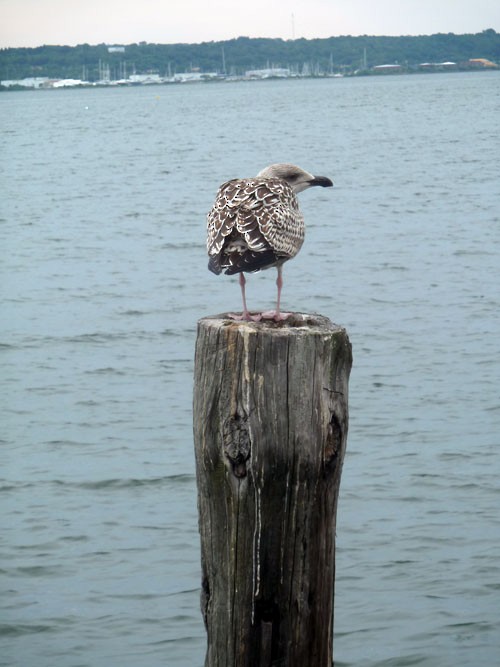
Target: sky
<point x="37" y="22"/>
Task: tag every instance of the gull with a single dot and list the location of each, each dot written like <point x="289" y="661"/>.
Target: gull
<point x="255" y="224"/>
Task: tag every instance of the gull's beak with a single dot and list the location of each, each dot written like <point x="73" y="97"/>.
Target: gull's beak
<point x="321" y="180"/>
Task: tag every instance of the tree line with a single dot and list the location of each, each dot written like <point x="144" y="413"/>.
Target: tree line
<point x="235" y="56"/>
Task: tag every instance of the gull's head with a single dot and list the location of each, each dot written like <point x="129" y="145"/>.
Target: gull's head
<point x="297" y="178"/>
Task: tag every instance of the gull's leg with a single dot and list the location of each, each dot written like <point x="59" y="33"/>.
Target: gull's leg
<point x="245" y="315"/>
<point x="279" y="285"/>
<point x="277" y="315"/>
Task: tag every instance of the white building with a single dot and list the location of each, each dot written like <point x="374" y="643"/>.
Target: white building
<point x="29" y="82"/>
<point x="68" y="83"/>
<point x="270" y="72"/>
<point x="145" y="78"/>
<point x="186" y="77"/>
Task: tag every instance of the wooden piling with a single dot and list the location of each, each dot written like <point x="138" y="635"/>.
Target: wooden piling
<point x="270" y="427"/>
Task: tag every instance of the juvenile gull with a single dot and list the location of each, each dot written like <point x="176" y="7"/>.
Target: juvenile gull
<point x="255" y="223"/>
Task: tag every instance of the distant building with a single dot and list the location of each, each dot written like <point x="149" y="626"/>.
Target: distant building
<point x="29" y="82"/>
<point x="68" y="83"/>
<point x="387" y="69"/>
<point x="438" y="66"/>
<point x="116" y="49"/>
<point x="190" y="77"/>
<point x="481" y="62"/>
<point x="145" y="78"/>
<point x="269" y="73"/>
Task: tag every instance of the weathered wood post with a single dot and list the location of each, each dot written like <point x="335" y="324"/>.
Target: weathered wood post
<point x="270" y="427"/>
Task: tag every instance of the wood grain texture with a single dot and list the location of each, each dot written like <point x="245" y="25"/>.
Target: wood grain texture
<point x="270" y="428"/>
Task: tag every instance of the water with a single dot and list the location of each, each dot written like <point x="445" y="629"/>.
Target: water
<point x="104" y="196"/>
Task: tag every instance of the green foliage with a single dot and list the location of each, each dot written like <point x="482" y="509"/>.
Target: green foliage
<point x="344" y="53"/>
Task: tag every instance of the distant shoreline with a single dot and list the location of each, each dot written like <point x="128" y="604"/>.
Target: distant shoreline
<point x="152" y="84"/>
<point x="247" y="58"/>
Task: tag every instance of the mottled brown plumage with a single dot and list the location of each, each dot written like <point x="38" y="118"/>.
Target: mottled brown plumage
<point x="255" y="223"/>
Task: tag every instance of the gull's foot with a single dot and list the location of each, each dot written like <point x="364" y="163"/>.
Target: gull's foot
<point x="245" y="317"/>
<point x="273" y="315"/>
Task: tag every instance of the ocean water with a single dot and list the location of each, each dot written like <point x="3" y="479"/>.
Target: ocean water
<point x="103" y="278"/>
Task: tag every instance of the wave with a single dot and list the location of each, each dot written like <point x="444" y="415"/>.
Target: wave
<point x="118" y="483"/>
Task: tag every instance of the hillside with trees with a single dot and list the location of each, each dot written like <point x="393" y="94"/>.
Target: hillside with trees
<point x="233" y="57"/>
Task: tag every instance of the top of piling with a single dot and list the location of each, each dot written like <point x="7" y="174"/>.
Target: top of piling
<point x="295" y="323"/>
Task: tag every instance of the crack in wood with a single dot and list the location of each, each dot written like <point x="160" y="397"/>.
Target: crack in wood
<point x="333" y="443"/>
<point x="236" y="443"/>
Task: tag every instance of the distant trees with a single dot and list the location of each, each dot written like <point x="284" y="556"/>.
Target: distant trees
<point x="238" y="55"/>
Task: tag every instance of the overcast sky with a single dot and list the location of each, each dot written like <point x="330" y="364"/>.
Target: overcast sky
<point x="37" y="22"/>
